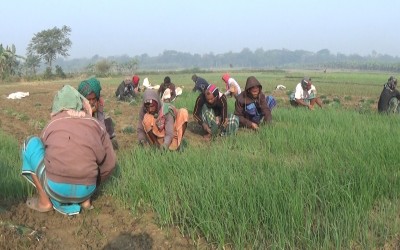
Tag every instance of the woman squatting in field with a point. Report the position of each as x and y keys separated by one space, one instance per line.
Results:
x=160 y=123
x=211 y=112
x=252 y=106
x=305 y=95
x=72 y=156
x=232 y=87
x=90 y=89
x=389 y=99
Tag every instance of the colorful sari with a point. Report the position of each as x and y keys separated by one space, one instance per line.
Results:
x=65 y=197
x=157 y=125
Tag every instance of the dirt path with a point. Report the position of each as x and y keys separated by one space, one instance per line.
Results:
x=107 y=226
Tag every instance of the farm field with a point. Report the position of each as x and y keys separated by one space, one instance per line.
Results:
x=326 y=178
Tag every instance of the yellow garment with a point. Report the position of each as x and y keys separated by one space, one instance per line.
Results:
x=180 y=119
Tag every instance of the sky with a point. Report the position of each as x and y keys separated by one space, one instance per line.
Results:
x=136 y=27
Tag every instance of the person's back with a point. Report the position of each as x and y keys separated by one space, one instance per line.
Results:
x=71 y=158
x=231 y=85
x=75 y=147
x=389 y=98
x=200 y=84
x=125 y=90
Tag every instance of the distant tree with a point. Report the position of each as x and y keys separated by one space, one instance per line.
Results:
x=48 y=74
x=103 y=67
x=133 y=64
x=60 y=72
x=47 y=44
x=324 y=52
x=32 y=62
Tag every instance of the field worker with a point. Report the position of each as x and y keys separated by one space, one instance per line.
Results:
x=390 y=97
x=211 y=112
x=126 y=90
x=167 y=84
x=231 y=86
x=70 y=159
x=251 y=105
x=161 y=124
x=200 y=84
x=305 y=95
x=135 y=83
x=91 y=89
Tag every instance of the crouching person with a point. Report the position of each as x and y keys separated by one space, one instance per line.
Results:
x=126 y=90
x=72 y=156
x=211 y=112
x=252 y=107
x=91 y=89
x=305 y=95
x=161 y=124
x=389 y=99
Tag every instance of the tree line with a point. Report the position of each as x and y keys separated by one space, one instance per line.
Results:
x=50 y=47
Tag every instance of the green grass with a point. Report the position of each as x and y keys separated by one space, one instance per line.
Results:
x=13 y=186
x=319 y=179
x=312 y=180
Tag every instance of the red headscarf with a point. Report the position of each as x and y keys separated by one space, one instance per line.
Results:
x=135 y=80
x=225 y=78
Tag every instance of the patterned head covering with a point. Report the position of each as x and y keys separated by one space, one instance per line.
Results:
x=213 y=90
x=88 y=86
x=67 y=98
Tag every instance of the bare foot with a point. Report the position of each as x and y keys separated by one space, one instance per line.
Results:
x=207 y=137
x=35 y=204
x=87 y=204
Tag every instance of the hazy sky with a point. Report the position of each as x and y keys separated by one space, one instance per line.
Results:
x=135 y=27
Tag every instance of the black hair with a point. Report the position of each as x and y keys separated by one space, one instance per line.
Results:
x=167 y=79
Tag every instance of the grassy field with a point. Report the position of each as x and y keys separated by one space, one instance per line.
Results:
x=322 y=179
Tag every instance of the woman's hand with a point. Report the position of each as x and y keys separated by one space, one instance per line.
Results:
x=206 y=128
x=86 y=107
x=254 y=126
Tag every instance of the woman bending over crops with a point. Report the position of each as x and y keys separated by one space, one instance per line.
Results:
x=70 y=159
x=167 y=84
x=305 y=95
x=161 y=124
x=211 y=112
x=389 y=99
x=90 y=89
x=252 y=106
x=200 y=84
x=128 y=89
x=232 y=87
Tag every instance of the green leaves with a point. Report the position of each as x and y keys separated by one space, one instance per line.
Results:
x=8 y=61
x=47 y=44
